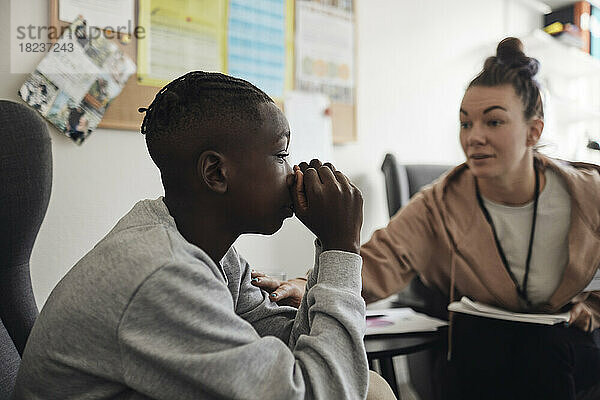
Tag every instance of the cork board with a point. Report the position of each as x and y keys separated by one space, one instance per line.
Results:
x=342 y=123
x=122 y=112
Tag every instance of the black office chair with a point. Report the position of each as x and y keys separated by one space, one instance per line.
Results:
x=402 y=181
x=25 y=183
x=426 y=368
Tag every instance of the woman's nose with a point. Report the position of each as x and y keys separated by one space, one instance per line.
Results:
x=476 y=136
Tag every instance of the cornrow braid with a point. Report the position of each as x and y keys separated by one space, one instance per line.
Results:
x=511 y=66
x=197 y=87
x=199 y=111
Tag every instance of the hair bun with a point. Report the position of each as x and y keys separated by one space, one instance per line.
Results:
x=509 y=49
x=510 y=53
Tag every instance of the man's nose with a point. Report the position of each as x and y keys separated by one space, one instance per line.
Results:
x=289 y=174
x=288 y=168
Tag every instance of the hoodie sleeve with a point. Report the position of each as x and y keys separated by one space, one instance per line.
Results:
x=269 y=318
x=181 y=338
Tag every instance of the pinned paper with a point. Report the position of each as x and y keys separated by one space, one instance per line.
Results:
x=310 y=126
x=76 y=81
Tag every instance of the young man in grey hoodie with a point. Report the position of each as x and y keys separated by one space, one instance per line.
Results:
x=163 y=306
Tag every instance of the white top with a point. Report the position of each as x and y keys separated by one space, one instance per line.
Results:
x=550 y=252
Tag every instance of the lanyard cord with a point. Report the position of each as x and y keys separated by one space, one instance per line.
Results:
x=522 y=291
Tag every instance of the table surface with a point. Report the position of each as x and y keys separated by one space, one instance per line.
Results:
x=379 y=346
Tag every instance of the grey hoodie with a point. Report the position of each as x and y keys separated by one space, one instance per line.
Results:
x=147 y=315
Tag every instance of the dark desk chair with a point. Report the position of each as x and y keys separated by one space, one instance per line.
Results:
x=402 y=181
x=25 y=182
x=426 y=368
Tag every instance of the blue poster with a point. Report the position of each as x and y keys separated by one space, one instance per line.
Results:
x=595 y=32
x=256 y=43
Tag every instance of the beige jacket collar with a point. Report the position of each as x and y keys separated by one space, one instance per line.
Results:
x=470 y=234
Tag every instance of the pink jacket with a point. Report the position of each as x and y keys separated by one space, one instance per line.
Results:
x=443 y=236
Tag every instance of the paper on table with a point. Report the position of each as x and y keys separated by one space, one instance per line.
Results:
x=400 y=320
x=467 y=306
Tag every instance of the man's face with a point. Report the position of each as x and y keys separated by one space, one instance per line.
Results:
x=259 y=185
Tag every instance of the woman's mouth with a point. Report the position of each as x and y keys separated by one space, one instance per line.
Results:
x=480 y=156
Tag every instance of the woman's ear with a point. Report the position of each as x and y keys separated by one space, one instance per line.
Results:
x=536 y=126
x=212 y=170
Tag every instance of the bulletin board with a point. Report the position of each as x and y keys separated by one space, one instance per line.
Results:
x=122 y=112
x=325 y=49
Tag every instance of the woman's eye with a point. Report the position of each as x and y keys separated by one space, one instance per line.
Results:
x=494 y=122
x=464 y=125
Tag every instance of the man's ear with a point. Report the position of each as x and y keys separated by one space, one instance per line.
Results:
x=536 y=126
x=212 y=170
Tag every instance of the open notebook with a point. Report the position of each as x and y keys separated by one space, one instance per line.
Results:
x=467 y=306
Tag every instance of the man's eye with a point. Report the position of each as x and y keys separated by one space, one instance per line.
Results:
x=465 y=125
x=283 y=156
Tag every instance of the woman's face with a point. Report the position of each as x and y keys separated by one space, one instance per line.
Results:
x=494 y=134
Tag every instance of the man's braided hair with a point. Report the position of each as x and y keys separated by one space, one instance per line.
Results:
x=213 y=94
x=197 y=111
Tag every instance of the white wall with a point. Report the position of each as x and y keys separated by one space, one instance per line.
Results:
x=414 y=60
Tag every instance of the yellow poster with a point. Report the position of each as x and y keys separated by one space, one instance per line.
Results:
x=181 y=36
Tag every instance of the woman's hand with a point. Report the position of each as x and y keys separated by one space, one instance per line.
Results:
x=286 y=293
x=581 y=317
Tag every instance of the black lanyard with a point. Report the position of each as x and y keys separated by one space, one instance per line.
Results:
x=522 y=291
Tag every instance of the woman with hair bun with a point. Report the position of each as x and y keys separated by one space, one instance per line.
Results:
x=511 y=228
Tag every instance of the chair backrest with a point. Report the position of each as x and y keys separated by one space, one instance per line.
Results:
x=25 y=184
x=402 y=181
